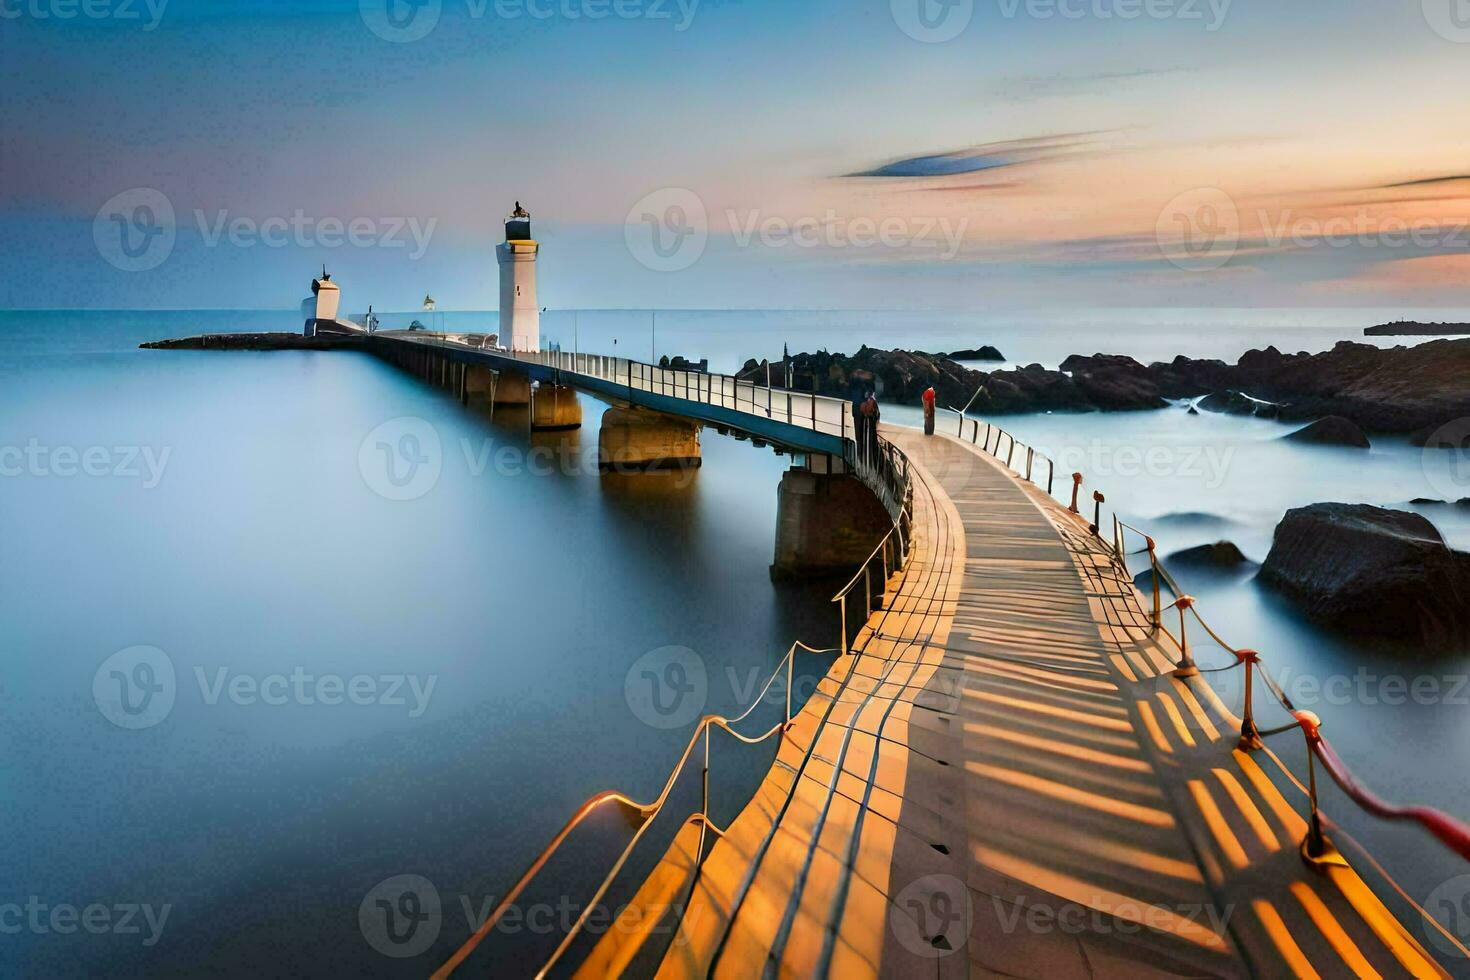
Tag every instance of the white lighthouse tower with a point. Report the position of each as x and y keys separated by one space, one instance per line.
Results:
x=520 y=317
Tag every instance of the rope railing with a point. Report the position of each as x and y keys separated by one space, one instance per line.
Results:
x=644 y=813
x=1316 y=848
x=893 y=552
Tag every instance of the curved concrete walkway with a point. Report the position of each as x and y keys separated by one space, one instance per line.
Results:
x=1003 y=779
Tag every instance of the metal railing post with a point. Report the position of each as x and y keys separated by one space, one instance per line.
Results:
x=704 y=810
x=1250 y=735
x=790 y=667
x=1316 y=848
x=1076 y=489
x=842 y=611
x=1186 y=666
x=1153 y=561
x=1097 y=500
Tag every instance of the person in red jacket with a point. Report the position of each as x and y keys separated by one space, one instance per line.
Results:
x=929 y=411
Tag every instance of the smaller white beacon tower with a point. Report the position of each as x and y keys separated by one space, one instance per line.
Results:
x=322 y=306
x=520 y=317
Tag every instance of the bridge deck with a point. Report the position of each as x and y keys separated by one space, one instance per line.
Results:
x=815 y=423
x=1003 y=779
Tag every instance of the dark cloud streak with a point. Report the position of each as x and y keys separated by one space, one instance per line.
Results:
x=983 y=157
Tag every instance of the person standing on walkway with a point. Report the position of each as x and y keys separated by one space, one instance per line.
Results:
x=870 y=427
x=929 y=411
x=857 y=393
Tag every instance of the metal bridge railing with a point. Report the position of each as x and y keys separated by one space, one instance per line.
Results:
x=818 y=413
x=880 y=466
x=1020 y=458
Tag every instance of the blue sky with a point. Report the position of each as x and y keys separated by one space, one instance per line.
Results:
x=821 y=154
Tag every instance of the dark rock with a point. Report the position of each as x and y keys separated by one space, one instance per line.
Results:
x=1395 y=390
x=1334 y=430
x=1202 y=564
x=1372 y=571
x=1399 y=389
x=1222 y=554
x=1191 y=520
x=1114 y=383
x=1229 y=402
x=986 y=353
x=1425 y=501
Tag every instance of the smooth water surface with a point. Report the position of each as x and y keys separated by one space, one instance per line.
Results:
x=361 y=686
x=241 y=521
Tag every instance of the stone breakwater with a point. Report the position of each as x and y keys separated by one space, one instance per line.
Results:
x=1397 y=390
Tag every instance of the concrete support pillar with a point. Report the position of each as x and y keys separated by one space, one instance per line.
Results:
x=637 y=439
x=478 y=382
x=512 y=389
x=554 y=407
x=826 y=524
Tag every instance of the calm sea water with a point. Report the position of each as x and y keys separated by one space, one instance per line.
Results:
x=238 y=519
x=231 y=513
